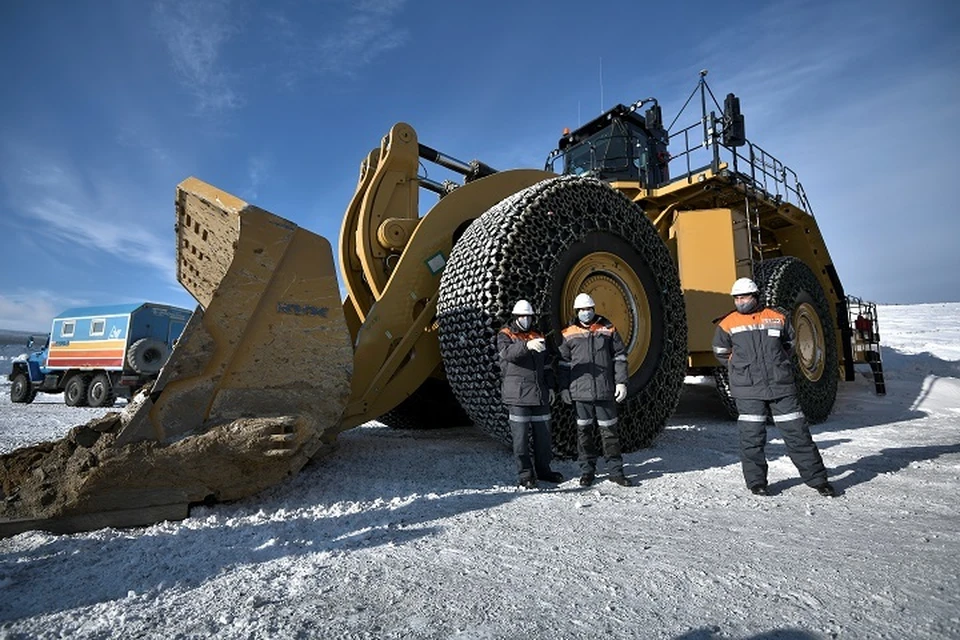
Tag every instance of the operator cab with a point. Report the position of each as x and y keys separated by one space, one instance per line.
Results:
x=619 y=145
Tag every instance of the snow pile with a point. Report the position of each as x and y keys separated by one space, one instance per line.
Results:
x=403 y=534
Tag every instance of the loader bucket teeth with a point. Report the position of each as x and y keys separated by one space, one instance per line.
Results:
x=256 y=385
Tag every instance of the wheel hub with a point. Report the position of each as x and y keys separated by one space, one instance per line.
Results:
x=809 y=343
x=620 y=297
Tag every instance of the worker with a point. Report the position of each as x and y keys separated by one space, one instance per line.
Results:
x=527 y=391
x=593 y=377
x=755 y=344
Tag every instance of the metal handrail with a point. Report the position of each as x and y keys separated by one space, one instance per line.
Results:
x=759 y=170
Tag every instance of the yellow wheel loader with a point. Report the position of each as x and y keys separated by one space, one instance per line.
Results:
x=273 y=364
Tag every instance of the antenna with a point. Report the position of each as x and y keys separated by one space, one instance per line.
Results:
x=601 y=84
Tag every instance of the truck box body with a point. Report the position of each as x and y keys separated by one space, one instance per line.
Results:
x=99 y=337
x=95 y=354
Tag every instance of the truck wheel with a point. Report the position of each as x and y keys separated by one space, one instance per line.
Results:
x=790 y=286
x=431 y=406
x=721 y=377
x=146 y=356
x=545 y=244
x=100 y=392
x=21 y=391
x=75 y=393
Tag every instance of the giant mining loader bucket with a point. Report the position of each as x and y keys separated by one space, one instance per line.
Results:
x=256 y=385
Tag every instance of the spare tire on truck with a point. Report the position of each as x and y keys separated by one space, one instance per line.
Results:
x=147 y=355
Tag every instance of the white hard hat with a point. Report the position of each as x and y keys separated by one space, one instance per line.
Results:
x=583 y=301
x=523 y=308
x=744 y=287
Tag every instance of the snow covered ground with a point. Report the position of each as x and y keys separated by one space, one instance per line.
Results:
x=403 y=534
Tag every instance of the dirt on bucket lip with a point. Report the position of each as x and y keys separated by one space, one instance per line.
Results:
x=87 y=472
x=34 y=480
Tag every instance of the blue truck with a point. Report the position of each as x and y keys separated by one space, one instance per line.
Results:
x=95 y=354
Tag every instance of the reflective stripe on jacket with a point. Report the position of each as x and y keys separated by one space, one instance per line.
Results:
x=593 y=360
x=756 y=349
x=527 y=375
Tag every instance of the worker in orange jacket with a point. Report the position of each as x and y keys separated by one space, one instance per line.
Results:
x=755 y=344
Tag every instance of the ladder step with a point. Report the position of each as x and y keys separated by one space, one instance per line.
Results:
x=878 y=381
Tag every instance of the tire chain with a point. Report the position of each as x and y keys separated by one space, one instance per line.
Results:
x=781 y=280
x=510 y=252
x=721 y=378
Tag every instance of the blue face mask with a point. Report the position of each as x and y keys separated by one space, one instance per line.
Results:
x=585 y=315
x=747 y=307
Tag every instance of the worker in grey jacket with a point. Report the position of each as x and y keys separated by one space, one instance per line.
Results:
x=593 y=376
x=527 y=390
x=755 y=342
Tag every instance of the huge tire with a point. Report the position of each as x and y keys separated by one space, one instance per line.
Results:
x=21 y=391
x=147 y=355
x=75 y=393
x=545 y=244
x=790 y=286
x=100 y=392
x=432 y=406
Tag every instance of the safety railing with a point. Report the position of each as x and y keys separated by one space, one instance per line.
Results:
x=865 y=338
x=701 y=145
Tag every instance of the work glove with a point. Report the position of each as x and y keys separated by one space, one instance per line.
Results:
x=565 y=396
x=553 y=396
x=537 y=344
x=620 y=394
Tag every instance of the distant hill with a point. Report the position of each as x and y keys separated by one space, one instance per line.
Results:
x=13 y=343
x=18 y=337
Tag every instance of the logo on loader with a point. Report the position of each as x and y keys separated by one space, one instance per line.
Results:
x=301 y=309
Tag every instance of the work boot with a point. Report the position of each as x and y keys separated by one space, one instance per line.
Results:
x=586 y=480
x=760 y=490
x=623 y=481
x=529 y=483
x=554 y=477
x=827 y=490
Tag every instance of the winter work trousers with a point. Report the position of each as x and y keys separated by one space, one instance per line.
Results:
x=591 y=415
x=524 y=422
x=787 y=417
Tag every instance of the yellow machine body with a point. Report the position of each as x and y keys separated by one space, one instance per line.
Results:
x=273 y=364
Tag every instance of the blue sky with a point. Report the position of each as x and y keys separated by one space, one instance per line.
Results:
x=109 y=104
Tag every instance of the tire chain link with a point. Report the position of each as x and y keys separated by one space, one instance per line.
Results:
x=511 y=252
x=721 y=378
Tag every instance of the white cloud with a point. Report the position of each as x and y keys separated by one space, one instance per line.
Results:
x=195 y=33
x=60 y=201
x=335 y=38
x=354 y=35
x=32 y=310
x=258 y=170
